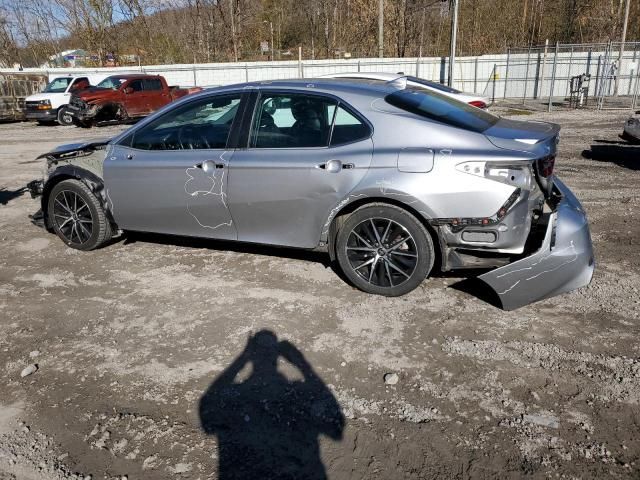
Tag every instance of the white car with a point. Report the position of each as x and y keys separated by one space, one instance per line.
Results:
x=470 y=98
x=51 y=104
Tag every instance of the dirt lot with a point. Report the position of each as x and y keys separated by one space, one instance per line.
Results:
x=137 y=346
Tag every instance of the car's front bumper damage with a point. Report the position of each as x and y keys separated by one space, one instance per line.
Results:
x=563 y=262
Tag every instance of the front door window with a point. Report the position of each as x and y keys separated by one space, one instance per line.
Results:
x=198 y=125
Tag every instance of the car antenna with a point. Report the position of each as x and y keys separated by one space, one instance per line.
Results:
x=400 y=83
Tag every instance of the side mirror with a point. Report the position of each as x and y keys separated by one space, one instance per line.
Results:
x=128 y=90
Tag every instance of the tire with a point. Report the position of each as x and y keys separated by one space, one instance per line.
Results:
x=398 y=266
x=89 y=228
x=64 y=117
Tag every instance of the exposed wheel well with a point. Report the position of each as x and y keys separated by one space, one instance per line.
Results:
x=342 y=215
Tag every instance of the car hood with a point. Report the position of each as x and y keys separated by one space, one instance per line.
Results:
x=92 y=93
x=68 y=149
x=523 y=136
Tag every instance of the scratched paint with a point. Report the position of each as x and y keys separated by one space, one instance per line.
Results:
x=198 y=184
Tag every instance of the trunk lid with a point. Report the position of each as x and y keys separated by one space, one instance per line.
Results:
x=523 y=136
x=539 y=139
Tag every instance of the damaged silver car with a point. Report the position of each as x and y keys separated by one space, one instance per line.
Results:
x=389 y=180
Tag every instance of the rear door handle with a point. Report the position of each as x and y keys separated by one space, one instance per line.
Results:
x=334 y=166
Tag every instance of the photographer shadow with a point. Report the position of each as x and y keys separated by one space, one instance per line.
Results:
x=267 y=425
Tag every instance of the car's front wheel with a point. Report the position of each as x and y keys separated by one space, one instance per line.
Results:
x=77 y=216
x=384 y=250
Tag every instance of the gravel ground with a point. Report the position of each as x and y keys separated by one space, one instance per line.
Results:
x=137 y=346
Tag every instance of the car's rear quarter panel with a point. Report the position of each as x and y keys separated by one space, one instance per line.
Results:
x=442 y=191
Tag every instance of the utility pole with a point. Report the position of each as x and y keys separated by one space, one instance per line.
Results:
x=271 y=27
x=233 y=32
x=454 y=32
x=381 y=28
x=621 y=53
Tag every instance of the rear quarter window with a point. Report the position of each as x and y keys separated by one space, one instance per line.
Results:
x=347 y=128
x=443 y=109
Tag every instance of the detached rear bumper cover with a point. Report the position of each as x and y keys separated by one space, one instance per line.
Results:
x=631 y=131
x=563 y=263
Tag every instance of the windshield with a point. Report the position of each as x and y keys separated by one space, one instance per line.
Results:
x=58 y=85
x=438 y=107
x=436 y=85
x=111 y=82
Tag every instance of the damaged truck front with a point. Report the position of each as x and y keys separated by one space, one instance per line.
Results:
x=123 y=97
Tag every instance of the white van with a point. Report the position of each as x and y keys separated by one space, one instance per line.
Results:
x=50 y=106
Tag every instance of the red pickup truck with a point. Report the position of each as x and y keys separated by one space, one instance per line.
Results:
x=123 y=97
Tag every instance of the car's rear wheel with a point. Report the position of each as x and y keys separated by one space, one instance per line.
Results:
x=77 y=216
x=384 y=250
x=64 y=117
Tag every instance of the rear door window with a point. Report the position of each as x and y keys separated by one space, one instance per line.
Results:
x=441 y=108
x=292 y=120
x=135 y=85
x=152 y=84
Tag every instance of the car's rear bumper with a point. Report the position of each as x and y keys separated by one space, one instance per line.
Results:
x=563 y=263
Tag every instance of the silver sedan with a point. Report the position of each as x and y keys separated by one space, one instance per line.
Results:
x=389 y=179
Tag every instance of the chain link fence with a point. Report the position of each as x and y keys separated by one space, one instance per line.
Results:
x=543 y=75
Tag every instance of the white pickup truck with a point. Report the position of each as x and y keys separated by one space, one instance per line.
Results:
x=50 y=106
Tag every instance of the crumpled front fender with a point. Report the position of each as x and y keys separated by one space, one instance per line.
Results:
x=563 y=263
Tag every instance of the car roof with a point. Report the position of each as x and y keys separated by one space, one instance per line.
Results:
x=366 y=75
x=321 y=85
x=132 y=75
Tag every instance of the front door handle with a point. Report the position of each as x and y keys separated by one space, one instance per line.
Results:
x=208 y=166
x=334 y=166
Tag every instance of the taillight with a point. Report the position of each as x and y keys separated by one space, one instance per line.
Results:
x=478 y=103
x=546 y=165
x=518 y=175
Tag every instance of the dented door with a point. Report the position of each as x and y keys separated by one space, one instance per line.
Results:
x=284 y=186
x=171 y=174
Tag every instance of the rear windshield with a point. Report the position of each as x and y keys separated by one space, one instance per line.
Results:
x=441 y=108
